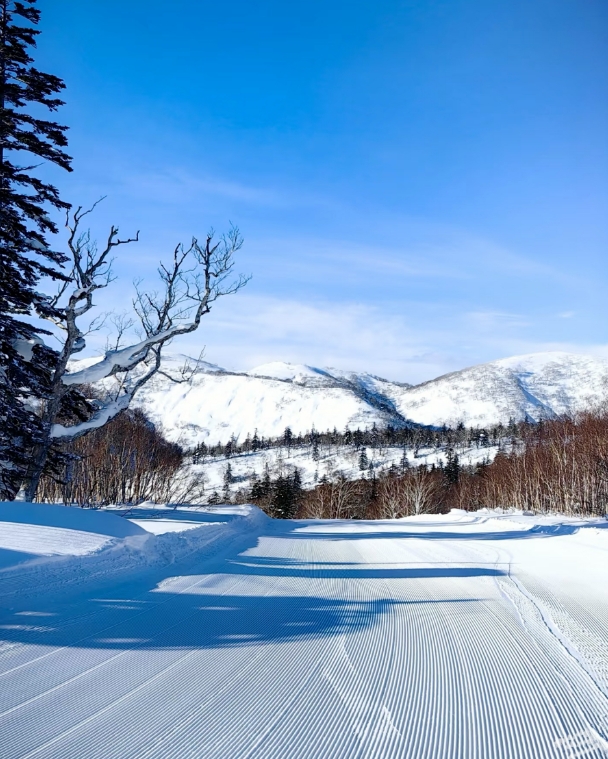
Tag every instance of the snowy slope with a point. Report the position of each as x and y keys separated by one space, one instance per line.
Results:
x=220 y=404
x=217 y=405
x=59 y=545
x=30 y=531
x=535 y=386
x=459 y=636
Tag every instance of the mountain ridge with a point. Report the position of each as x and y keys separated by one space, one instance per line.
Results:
x=219 y=404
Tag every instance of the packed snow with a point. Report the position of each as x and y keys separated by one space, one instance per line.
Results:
x=218 y=405
x=467 y=635
x=35 y=530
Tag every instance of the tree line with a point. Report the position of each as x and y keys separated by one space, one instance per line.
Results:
x=127 y=462
x=553 y=466
x=558 y=465
x=412 y=437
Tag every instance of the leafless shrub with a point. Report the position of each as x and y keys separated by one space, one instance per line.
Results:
x=126 y=462
x=418 y=491
x=559 y=466
x=336 y=499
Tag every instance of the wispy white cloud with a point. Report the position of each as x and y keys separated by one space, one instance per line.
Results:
x=402 y=297
x=251 y=330
x=491 y=321
x=247 y=330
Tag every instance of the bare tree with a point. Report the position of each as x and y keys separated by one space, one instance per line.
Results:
x=337 y=499
x=190 y=283
x=415 y=492
x=393 y=497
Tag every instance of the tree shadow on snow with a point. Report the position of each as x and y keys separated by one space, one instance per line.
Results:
x=190 y=611
x=344 y=531
x=269 y=567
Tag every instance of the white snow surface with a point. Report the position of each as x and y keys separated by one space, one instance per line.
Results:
x=462 y=636
x=33 y=530
x=218 y=405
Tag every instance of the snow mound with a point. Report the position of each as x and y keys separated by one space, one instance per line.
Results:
x=59 y=545
x=30 y=531
x=83 y=520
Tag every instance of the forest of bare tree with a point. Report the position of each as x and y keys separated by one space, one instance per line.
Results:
x=558 y=465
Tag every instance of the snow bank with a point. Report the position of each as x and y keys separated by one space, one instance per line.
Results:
x=52 y=515
x=45 y=545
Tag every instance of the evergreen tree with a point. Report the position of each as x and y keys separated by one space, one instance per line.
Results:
x=228 y=480
x=297 y=489
x=261 y=489
x=25 y=141
x=451 y=470
x=199 y=453
x=392 y=470
x=374 y=435
x=363 y=461
x=281 y=497
x=286 y=495
x=404 y=464
x=287 y=437
x=266 y=481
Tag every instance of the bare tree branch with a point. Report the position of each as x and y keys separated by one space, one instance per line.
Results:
x=194 y=278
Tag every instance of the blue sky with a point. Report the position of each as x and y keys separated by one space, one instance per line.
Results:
x=422 y=185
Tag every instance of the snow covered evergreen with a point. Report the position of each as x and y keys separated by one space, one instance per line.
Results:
x=26 y=140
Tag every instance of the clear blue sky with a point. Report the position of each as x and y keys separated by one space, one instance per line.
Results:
x=422 y=185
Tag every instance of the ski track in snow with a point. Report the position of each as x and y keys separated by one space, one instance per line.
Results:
x=450 y=636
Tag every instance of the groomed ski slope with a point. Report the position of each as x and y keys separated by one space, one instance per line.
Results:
x=461 y=636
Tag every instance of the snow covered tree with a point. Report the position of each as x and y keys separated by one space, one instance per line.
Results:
x=26 y=141
x=194 y=279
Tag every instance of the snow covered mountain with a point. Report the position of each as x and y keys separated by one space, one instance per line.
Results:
x=218 y=404
x=534 y=386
